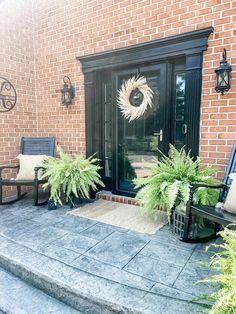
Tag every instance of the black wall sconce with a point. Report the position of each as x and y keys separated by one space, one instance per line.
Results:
x=67 y=92
x=223 y=75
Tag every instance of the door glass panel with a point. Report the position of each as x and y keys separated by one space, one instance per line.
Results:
x=107 y=129
x=138 y=140
x=180 y=127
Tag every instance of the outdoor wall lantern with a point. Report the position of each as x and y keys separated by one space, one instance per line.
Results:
x=67 y=92
x=223 y=75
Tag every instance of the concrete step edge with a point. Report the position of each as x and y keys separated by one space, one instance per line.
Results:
x=105 y=298
x=77 y=299
x=18 y=296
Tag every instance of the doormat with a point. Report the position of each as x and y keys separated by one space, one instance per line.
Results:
x=121 y=215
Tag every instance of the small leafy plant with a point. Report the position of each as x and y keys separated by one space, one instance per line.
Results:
x=224 y=262
x=167 y=186
x=71 y=175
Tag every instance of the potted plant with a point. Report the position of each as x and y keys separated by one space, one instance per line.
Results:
x=74 y=176
x=167 y=186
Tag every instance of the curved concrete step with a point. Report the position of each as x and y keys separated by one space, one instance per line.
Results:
x=81 y=290
x=18 y=297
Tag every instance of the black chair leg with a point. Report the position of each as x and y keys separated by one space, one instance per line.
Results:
x=18 y=191
x=217 y=228
x=0 y=194
x=36 y=193
x=187 y=224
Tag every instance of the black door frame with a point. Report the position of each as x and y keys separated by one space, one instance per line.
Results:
x=189 y=45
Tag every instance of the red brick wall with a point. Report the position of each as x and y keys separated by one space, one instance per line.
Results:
x=63 y=30
x=17 y=65
x=68 y=29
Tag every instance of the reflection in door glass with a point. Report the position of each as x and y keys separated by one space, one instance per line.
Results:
x=137 y=140
x=179 y=109
x=107 y=129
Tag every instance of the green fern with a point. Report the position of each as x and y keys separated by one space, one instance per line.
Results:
x=224 y=262
x=69 y=174
x=206 y=196
x=167 y=186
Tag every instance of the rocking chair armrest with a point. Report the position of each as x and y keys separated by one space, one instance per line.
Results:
x=10 y=167
x=194 y=187
x=7 y=167
x=36 y=170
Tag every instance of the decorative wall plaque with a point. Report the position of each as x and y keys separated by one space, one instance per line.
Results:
x=8 y=96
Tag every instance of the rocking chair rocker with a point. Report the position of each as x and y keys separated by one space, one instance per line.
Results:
x=29 y=146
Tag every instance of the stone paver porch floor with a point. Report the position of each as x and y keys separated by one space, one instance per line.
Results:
x=157 y=270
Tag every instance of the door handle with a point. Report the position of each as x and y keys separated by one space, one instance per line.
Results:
x=184 y=128
x=160 y=134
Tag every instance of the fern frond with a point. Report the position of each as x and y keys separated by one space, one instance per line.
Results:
x=72 y=174
x=167 y=186
x=224 y=262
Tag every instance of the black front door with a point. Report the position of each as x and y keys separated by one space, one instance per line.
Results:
x=139 y=141
x=174 y=71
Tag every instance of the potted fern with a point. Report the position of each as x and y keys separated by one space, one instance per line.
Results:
x=167 y=186
x=73 y=176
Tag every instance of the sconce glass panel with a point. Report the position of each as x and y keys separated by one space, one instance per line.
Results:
x=67 y=91
x=223 y=75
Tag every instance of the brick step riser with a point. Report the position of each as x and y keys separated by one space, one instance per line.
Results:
x=115 y=198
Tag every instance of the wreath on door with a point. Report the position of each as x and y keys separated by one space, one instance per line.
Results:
x=134 y=98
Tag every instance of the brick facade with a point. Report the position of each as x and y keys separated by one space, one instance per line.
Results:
x=40 y=41
x=17 y=65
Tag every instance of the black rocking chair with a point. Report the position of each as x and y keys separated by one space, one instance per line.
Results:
x=29 y=146
x=216 y=215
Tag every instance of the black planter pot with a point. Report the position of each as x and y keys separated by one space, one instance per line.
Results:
x=73 y=200
x=178 y=223
x=51 y=205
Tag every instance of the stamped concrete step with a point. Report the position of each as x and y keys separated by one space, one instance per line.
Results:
x=18 y=297
x=83 y=291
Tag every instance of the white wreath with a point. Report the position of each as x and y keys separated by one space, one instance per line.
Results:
x=129 y=111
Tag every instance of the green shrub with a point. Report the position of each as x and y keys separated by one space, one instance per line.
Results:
x=167 y=186
x=224 y=261
x=68 y=174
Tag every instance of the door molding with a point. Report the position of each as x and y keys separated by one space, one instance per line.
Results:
x=194 y=42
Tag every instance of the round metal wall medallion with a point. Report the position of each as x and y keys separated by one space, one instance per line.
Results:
x=8 y=96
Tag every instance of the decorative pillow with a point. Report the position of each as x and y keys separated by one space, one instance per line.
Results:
x=27 y=165
x=230 y=202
